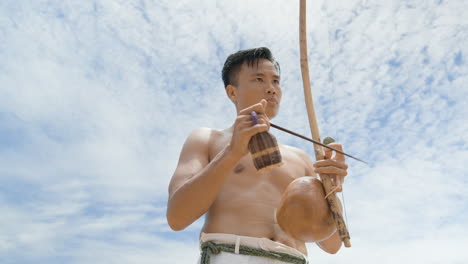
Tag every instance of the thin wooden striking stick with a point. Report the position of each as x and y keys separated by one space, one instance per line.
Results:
x=313 y=141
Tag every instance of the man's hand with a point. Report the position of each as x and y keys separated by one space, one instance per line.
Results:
x=244 y=129
x=333 y=165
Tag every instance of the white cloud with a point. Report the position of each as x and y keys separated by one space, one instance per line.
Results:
x=97 y=98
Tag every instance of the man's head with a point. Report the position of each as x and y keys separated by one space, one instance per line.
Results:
x=251 y=75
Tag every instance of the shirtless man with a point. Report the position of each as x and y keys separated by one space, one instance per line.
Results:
x=216 y=176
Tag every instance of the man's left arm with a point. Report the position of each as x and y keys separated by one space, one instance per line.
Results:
x=332 y=244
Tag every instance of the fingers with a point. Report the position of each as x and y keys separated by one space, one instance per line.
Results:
x=256 y=129
x=328 y=153
x=245 y=126
x=258 y=107
x=263 y=119
x=331 y=170
x=335 y=170
x=247 y=120
x=329 y=162
x=338 y=156
x=331 y=167
x=334 y=166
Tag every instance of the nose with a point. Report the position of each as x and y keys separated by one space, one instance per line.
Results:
x=271 y=90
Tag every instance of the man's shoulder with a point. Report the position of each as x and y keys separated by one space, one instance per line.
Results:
x=293 y=150
x=204 y=134
x=201 y=131
x=204 y=131
x=299 y=154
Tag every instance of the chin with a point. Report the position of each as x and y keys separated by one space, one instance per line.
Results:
x=271 y=113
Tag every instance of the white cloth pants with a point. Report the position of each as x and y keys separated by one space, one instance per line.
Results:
x=254 y=242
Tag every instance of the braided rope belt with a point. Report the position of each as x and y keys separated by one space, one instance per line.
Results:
x=210 y=248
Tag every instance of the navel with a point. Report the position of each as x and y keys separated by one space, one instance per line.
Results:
x=239 y=168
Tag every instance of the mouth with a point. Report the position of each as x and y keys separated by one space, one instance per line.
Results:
x=272 y=100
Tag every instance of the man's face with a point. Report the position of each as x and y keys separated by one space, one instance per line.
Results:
x=255 y=83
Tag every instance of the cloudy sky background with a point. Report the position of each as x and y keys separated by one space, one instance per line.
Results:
x=97 y=98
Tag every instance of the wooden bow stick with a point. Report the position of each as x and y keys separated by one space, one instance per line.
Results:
x=332 y=200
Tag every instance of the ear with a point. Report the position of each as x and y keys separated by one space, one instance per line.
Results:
x=231 y=92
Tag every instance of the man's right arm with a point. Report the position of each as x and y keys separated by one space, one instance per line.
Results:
x=197 y=181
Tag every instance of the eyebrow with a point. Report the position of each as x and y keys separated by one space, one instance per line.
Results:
x=262 y=74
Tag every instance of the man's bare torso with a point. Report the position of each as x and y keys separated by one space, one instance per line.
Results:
x=215 y=175
x=246 y=203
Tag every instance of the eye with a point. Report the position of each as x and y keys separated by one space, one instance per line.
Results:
x=258 y=79
x=276 y=81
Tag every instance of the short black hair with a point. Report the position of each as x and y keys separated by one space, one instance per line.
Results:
x=234 y=62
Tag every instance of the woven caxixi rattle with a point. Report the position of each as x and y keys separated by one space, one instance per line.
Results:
x=264 y=149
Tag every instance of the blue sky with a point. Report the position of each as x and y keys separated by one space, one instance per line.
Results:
x=97 y=98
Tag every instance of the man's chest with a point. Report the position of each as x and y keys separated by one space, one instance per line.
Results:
x=246 y=177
